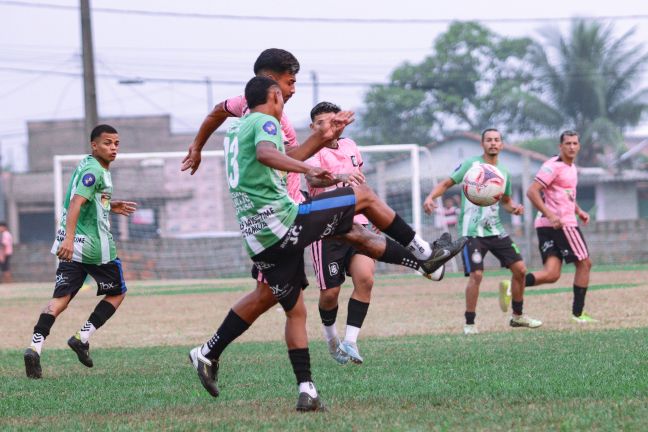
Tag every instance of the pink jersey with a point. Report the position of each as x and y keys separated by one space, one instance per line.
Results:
x=344 y=159
x=7 y=242
x=559 y=181
x=237 y=106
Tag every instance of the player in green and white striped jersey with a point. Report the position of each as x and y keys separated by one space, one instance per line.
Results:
x=483 y=227
x=85 y=246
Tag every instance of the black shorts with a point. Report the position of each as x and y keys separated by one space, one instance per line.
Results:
x=5 y=266
x=566 y=243
x=476 y=249
x=71 y=274
x=282 y=264
x=259 y=277
x=331 y=260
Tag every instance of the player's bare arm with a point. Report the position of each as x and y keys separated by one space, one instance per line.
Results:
x=350 y=179
x=66 y=247
x=510 y=206
x=429 y=205
x=533 y=193
x=267 y=154
x=210 y=124
x=125 y=208
x=322 y=135
x=582 y=215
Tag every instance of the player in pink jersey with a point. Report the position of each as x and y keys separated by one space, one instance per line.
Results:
x=553 y=193
x=332 y=258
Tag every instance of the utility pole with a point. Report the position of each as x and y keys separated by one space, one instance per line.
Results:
x=89 y=90
x=315 y=87
x=210 y=100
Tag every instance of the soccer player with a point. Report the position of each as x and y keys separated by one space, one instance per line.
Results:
x=276 y=230
x=486 y=233
x=553 y=193
x=85 y=246
x=333 y=258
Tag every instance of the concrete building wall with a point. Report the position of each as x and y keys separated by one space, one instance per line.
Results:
x=617 y=201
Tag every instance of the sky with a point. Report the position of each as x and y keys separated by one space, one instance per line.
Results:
x=177 y=46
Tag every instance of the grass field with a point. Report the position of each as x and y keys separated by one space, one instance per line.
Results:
x=420 y=373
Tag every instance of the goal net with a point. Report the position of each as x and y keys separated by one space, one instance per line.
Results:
x=185 y=227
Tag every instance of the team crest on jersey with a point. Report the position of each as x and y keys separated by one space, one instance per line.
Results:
x=88 y=180
x=354 y=161
x=270 y=128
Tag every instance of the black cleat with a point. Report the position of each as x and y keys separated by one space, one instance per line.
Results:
x=81 y=349
x=32 y=364
x=307 y=403
x=443 y=249
x=207 y=371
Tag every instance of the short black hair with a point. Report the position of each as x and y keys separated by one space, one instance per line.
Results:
x=256 y=90
x=276 y=60
x=568 y=132
x=102 y=128
x=3 y=223
x=324 y=107
x=483 y=134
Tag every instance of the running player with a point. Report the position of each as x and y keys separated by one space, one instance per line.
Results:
x=553 y=193
x=486 y=233
x=333 y=258
x=85 y=246
x=276 y=229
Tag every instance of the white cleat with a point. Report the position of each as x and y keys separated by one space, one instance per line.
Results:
x=470 y=329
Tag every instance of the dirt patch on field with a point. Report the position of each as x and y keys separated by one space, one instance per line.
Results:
x=399 y=306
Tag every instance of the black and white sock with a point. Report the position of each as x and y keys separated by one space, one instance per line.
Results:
x=232 y=327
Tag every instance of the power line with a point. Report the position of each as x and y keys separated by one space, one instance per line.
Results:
x=228 y=17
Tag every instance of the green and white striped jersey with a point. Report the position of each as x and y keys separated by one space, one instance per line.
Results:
x=476 y=221
x=263 y=208
x=93 y=243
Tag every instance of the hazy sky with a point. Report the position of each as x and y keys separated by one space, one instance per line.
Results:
x=40 y=51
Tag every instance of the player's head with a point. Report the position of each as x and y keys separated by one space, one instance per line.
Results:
x=569 y=145
x=104 y=141
x=3 y=226
x=281 y=66
x=491 y=141
x=322 y=113
x=262 y=91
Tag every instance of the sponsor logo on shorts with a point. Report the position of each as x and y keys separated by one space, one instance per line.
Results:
x=106 y=286
x=331 y=226
x=292 y=236
x=88 y=180
x=547 y=245
x=476 y=256
x=280 y=291
x=270 y=128
x=261 y=265
x=60 y=280
x=334 y=269
x=564 y=252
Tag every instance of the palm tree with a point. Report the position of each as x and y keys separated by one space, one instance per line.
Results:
x=589 y=81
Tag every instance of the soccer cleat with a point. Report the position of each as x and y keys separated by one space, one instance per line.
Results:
x=306 y=403
x=336 y=352
x=32 y=364
x=524 y=321
x=207 y=371
x=443 y=249
x=583 y=319
x=81 y=349
x=470 y=329
x=504 y=295
x=351 y=350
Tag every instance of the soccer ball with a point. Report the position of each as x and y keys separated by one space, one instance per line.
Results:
x=483 y=184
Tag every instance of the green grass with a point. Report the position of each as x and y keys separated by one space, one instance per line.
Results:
x=531 y=291
x=528 y=380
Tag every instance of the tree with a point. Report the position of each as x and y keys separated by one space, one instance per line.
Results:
x=588 y=81
x=473 y=79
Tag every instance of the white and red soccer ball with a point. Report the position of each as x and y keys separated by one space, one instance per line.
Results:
x=483 y=184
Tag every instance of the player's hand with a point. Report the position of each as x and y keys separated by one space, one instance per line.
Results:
x=319 y=173
x=66 y=249
x=429 y=205
x=125 y=208
x=192 y=160
x=518 y=209
x=584 y=216
x=354 y=179
x=555 y=222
